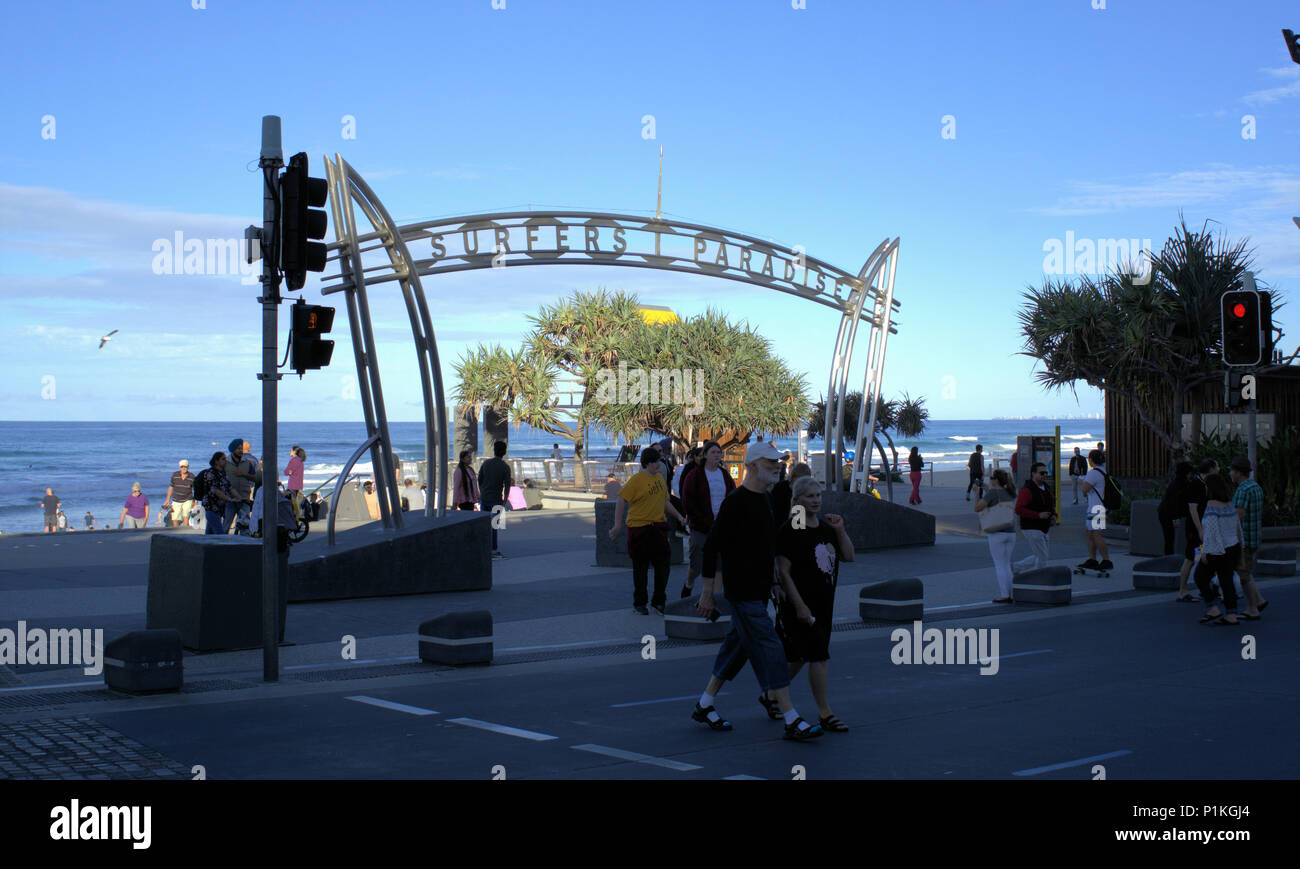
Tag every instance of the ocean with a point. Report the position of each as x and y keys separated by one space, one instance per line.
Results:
x=91 y=465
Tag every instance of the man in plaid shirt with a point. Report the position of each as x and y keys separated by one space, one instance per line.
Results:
x=1249 y=501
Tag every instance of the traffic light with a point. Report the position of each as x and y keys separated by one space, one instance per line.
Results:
x=1243 y=342
x=1232 y=389
x=1292 y=44
x=309 y=322
x=302 y=221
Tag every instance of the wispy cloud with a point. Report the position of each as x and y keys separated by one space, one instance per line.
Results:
x=1288 y=74
x=1253 y=202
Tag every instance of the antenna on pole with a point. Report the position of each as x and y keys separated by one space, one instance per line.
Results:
x=659 y=198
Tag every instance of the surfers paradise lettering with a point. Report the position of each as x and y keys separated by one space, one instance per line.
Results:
x=654 y=243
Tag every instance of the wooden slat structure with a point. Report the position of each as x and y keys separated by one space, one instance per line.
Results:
x=1134 y=452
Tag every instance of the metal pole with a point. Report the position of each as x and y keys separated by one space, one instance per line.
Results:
x=272 y=159
x=1056 y=472
x=1251 y=419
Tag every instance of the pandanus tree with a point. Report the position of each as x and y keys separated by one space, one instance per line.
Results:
x=691 y=379
x=906 y=415
x=731 y=384
x=514 y=386
x=1149 y=343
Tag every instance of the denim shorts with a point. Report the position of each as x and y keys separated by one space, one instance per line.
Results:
x=752 y=638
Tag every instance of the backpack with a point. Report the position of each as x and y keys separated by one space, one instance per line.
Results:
x=1112 y=497
x=202 y=484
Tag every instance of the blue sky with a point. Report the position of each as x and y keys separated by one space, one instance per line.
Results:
x=822 y=127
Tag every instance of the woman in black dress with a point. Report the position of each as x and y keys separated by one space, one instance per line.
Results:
x=809 y=549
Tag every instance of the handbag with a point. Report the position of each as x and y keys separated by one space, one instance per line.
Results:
x=1000 y=517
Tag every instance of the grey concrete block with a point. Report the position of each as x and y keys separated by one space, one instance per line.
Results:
x=613 y=553
x=894 y=600
x=1045 y=585
x=209 y=588
x=1275 y=561
x=457 y=638
x=427 y=554
x=1158 y=573
x=683 y=622
x=873 y=523
x=144 y=662
x=1145 y=537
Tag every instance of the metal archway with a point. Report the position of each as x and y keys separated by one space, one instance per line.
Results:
x=598 y=238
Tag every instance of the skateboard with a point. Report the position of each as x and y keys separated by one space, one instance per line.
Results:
x=1094 y=571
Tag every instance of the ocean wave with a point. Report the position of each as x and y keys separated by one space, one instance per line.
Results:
x=962 y=438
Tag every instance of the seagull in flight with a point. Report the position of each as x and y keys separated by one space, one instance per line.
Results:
x=107 y=338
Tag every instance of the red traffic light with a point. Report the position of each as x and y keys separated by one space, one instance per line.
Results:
x=1239 y=310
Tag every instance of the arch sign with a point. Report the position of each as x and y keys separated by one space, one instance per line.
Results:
x=518 y=238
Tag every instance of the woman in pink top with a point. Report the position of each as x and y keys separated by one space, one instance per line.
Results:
x=464 y=487
x=294 y=470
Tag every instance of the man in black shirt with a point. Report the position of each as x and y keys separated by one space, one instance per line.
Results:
x=494 y=482
x=976 y=466
x=50 y=504
x=1078 y=467
x=743 y=534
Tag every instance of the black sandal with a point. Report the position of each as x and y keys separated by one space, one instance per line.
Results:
x=799 y=734
x=773 y=708
x=834 y=725
x=701 y=714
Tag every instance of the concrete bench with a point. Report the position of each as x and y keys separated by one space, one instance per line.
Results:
x=457 y=638
x=683 y=622
x=144 y=662
x=894 y=600
x=1049 y=585
x=209 y=587
x=1145 y=536
x=1161 y=573
x=872 y=523
x=1275 y=561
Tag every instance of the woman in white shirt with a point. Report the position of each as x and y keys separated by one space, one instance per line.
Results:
x=1220 y=549
x=1000 y=542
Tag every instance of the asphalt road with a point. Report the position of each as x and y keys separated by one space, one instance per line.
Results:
x=1136 y=686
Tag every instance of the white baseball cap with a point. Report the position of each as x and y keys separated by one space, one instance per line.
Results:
x=763 y=450
x=185 y=463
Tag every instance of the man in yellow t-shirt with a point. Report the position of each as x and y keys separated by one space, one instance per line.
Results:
x=642 y=502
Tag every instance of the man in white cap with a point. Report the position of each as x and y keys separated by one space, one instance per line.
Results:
x=180 y=495
x=743 y=534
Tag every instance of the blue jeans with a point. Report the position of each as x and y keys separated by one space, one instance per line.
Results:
x=487 y=504
x=216 y=522
x=752 y=637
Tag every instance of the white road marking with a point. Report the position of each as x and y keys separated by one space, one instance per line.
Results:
x=501 y=728
x=636 y=757
x=388 y=704
x=1069 y=763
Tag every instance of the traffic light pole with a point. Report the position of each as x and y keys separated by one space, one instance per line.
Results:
x=272 y=159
